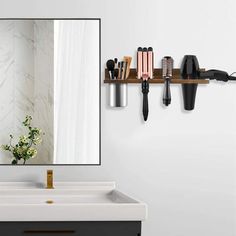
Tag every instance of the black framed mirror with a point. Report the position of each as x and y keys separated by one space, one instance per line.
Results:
x=50 y=75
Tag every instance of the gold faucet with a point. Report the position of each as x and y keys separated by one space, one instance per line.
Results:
x=50 y=179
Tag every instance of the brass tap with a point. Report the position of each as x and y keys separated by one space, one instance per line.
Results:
x=50 y=179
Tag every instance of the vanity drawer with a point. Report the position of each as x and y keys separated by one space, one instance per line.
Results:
x=82 y=228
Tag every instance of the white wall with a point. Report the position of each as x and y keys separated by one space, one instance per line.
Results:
x=181 y=164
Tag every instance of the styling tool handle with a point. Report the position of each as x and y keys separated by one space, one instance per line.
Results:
x=145 y=91
x=167 y=93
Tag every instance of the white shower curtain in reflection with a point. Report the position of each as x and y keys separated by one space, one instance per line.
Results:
x=76 y=107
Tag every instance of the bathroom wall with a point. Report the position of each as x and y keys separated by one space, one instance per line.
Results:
x=182 y=164
x=26 y=81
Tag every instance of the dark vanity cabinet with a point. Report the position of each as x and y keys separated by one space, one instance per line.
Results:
x=82 y=228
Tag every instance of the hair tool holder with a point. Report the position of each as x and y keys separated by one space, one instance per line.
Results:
x=118 y=71
x=189 y=76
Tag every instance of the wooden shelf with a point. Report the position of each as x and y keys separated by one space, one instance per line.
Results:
x=157 y=78
x=157 y=81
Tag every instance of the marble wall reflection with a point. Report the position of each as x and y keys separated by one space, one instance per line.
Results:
x=26 y=82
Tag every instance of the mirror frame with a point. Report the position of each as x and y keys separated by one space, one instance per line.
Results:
x=99 y=119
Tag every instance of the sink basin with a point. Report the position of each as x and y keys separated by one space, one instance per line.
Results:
x=68 y=201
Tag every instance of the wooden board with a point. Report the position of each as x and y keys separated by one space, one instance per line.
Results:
x=157 y=78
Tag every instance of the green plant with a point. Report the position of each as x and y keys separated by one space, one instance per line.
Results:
x=25 y=148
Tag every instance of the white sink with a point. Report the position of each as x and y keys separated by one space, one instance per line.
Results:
x=68 y=201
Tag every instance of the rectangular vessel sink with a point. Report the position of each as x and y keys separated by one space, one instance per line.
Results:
x=68 y=201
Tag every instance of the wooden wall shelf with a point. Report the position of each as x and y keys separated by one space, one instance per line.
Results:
x=157 y=78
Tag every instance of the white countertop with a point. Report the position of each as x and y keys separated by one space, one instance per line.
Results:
x=68 y=201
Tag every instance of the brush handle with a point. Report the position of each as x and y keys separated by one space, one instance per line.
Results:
x=111 y=74
x=145 y=91
x=166 y=94
x=128 y=61
x=124 y=68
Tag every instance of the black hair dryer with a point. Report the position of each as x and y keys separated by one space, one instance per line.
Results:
x=189 y=70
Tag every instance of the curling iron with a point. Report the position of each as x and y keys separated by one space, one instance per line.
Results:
x=145 y=72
